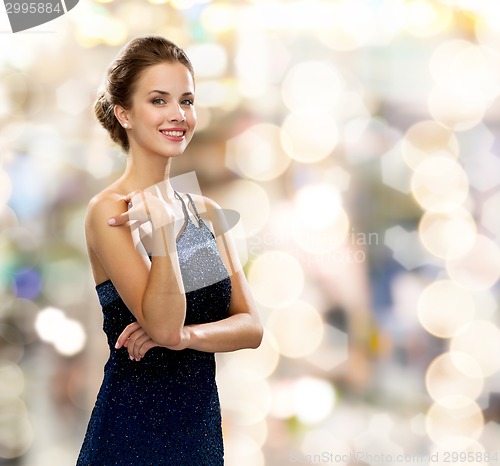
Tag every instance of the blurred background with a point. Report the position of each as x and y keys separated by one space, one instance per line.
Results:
x=357 y=139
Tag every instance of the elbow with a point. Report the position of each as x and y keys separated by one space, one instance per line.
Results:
x=257 y=337
x=167 y=338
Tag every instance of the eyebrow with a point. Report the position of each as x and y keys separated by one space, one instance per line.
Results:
x=168 y=93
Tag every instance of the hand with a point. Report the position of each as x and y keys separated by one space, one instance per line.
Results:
x=136 y=340
x=145 y=206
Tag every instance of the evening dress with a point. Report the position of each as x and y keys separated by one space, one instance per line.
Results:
x=163 y=409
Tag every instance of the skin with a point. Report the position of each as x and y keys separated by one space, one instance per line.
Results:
x=153 y=289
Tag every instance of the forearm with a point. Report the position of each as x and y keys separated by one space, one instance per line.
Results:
x=164 y=301
x=233 y=333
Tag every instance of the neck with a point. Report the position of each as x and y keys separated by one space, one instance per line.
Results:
x=143 y=172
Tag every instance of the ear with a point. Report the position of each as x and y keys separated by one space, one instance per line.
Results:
x=121 y=115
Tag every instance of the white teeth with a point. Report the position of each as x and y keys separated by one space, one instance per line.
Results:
x=175 y=134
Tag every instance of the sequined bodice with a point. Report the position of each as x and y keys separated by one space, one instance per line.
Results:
x=205 y=278
x=163 y=409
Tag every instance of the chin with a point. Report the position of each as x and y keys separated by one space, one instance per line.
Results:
x=174 y=155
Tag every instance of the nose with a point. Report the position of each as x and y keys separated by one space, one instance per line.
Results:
x=177 y=113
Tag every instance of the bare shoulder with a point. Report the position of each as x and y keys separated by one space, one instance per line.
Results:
x=204 y=203
x=209 y=210
x=102 y=206
x=108 y=201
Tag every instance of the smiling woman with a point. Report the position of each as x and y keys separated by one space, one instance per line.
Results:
x=170 y=298
x=156 y=114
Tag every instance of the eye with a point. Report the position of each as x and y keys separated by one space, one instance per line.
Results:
x=159 y=101
x=187 y=102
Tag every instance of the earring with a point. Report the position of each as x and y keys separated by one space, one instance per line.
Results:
x=125 y=125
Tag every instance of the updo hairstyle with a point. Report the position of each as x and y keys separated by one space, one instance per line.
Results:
x=123 y=74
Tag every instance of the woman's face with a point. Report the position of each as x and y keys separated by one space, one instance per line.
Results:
x=162 y=118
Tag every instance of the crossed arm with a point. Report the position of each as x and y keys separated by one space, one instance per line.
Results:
x=241 y=329
x=153 y=290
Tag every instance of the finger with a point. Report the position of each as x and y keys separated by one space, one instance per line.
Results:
x=132 y=199
x=142 y=347
x=126 y=333
x=135 y=351
x=129 y=198
x=133 y=341
x=146 y=347
x=119 y=219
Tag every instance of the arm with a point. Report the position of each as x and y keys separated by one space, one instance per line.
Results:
x=152 y=290
x=242 y=329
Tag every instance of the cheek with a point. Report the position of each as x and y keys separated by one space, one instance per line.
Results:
x=193 y=119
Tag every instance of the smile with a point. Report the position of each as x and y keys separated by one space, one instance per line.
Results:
x=173 y=134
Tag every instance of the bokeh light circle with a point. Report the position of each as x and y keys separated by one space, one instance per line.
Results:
x=426 y=18
x=479 y=268
x=208 y=59
x=219 y=17
x=318 y=75
x=16 y=432
x=460 y=63
x=298 y=329
x=72 y=339
x=442 y=59
x=12 y=381
x=12 y=343
x=448 y=235
x=244 y=196
x=444 y=308
x=443 y=378
x=473 y=68
x=427 y=139
x=321 y=223
x=243 y=451
x=313 y=135
x=246 y=395
x=276 y=279
x=481 y=340
x=487 y=26
x=282 y=406
x=314 y=399
x=351 y=25
x=67 y=335
x=465 y=84
x=318 y=205
x=454 y=416
x=440 y=184
x=258 y=153
x=458 y=110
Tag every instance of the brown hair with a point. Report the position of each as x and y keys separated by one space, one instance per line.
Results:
x=122 y=76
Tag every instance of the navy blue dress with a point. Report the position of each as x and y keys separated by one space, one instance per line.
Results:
x=163 y=409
